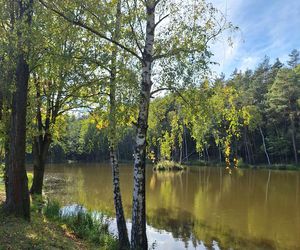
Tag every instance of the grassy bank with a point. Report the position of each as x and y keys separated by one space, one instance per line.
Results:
x=47 y=230
x=84 y=225
x=40 y=233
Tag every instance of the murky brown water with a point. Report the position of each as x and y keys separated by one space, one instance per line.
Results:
x=250 y=209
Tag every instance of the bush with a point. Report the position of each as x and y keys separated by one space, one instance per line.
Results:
x=168 y=166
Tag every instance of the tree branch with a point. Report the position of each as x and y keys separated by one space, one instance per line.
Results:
x=171 y=89
x=92 y=30
x=160 y=20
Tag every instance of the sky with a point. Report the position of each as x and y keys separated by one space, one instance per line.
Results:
x=266 y=27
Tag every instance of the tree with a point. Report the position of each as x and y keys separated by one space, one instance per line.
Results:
x=283 y=101
x=17 y=200
x=121 y=223
x=294 y=58
x=186 y=37
x=58 y=86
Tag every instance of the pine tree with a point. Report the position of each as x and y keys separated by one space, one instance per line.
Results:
x=294 y=58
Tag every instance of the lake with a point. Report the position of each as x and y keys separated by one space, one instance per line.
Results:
x=201 y=208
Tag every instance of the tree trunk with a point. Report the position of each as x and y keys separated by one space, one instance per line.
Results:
x=17 y=200
x=247 y=153
x=138 y=232
x=220 y=153
x=264 y=144
x=186 y=146
x=6 y=163
x=206 y=150
x=40 y=150
x=294 y=140
x=121 y=222
x=180 y=154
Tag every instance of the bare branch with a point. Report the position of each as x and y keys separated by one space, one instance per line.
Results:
x=160 y=20
x=133 y=32
x=177 y=91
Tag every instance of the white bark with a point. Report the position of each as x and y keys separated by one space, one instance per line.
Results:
x=138 y=232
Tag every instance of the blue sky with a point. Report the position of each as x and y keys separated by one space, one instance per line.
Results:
x=267 y=27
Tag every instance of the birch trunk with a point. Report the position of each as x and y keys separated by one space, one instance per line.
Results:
x=121 y=222
x=264 y=144
x=294 y=140
x=138 y=232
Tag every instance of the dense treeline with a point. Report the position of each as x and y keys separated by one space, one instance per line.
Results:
x=252 y=117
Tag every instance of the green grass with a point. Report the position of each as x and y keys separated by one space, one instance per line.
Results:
x=168 y=166
x=84 y=226
x=39 y=233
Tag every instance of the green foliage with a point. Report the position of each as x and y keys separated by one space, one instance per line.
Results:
x=40 y=234
x=168 y=166
x=51 y=210
x=84 y=225
x=220 y=115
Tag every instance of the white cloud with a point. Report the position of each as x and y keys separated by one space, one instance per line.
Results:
x=249 y=63
x=224 y=53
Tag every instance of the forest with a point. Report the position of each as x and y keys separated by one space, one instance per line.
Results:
x=129 y=81
x=253 y=116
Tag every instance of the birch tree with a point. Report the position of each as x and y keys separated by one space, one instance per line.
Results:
x=160 y=31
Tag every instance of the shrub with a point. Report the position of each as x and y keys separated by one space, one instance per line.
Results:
x=168 y=166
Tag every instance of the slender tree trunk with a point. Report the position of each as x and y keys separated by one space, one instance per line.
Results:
x=294 y=140
x=138 y=232
x=251 y=151
x=180 y=153
x=17 y=200
x=6 y=163
x=206 y=150
x=220 y=153
x=121 y=222
x=264 y=145
x=186 y=146
x=247 y=153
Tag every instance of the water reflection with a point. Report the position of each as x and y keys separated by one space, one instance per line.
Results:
x=245 y=210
